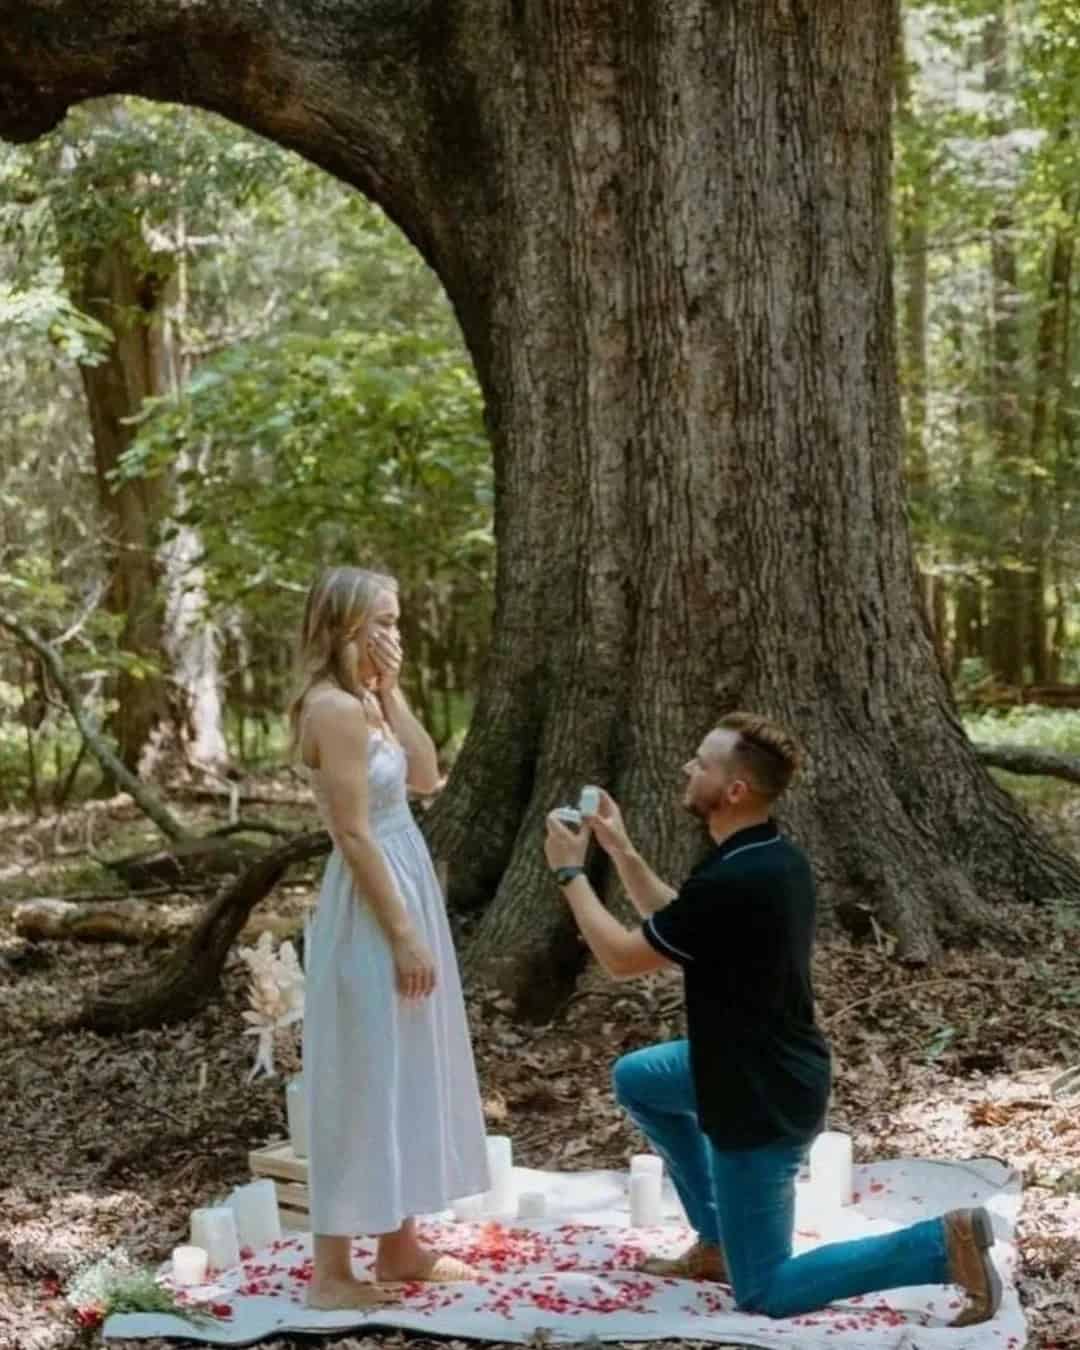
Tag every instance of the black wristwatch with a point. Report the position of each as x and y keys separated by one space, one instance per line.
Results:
x=564 y=875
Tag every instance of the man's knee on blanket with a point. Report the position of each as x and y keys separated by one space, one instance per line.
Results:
x=762 y=1299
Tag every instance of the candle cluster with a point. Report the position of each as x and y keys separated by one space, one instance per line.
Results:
x=501 y=1201
x=249 y=1219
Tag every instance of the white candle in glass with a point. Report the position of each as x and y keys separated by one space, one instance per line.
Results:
x=532 y=1205
x=296 y=1112
x=501 y=1199
x=589 y=802
x=189 y=1266
x=646 y=1209
x=468 y=1207
x=646 y=1164
x=214 y=1230
x=258 y=1222
x=831 y=1171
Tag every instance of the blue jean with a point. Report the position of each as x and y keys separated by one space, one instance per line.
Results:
x=744 y=1200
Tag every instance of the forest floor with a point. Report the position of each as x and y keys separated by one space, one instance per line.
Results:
x=111 y=1142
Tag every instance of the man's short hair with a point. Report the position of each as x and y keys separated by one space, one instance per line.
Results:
x=768 y=755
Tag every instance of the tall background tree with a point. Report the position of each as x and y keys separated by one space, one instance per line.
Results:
x=664 y=230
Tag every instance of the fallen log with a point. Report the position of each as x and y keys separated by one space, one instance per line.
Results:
x=185 y=861
x=192 y=973
x=211 y=794
x=132 y=921
x=1030 y=760
x=47 y=919
x=991 y=695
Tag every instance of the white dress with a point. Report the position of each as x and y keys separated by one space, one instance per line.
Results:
x=395 y=1122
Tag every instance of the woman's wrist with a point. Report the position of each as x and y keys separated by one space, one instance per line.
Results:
x=391 y=700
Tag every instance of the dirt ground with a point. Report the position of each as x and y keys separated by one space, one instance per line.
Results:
x=112 y=1142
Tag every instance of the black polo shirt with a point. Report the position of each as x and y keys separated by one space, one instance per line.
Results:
x=742 y=928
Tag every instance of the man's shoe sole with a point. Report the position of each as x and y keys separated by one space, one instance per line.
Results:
x=982 y=1230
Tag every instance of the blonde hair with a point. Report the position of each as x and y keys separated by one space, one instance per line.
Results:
x=339 y=602
x=768 y=754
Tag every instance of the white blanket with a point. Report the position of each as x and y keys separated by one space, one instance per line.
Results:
x=571 y=1274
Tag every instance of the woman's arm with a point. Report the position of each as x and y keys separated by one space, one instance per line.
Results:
x=338 y=735
x=423 y=772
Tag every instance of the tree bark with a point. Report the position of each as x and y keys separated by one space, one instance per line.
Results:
x=1029 y=759
x=1050 y=346
x=913 y=238
x=664 y=227
x=191 y=641
x=1007 y=602
x=968 y=626
x=107 y=283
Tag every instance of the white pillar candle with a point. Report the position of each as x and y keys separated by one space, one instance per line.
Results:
x=831 y=1173
x=258 y=1222
x=296 y=1112
x=501 y=1199
x=646 y=1209
x=468 y=1207
x=189 y=1266
x=646 y=1164
x=532 y=1205
x=215 y=1231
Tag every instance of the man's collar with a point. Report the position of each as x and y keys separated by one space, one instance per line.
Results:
x=750 y=834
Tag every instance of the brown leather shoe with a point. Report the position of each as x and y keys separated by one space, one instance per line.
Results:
x=702 y=1261
x=969 y=1234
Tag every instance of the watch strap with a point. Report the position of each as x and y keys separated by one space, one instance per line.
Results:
x=564 y=875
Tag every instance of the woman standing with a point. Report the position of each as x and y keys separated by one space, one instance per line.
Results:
x=396 y=1126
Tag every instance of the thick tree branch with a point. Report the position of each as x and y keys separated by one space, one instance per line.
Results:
x=337 y=82
x=1031 y=760
x=377 y=92
x=147 y=800
x=192 y=974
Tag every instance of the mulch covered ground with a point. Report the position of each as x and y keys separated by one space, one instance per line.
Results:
x=112 y=1142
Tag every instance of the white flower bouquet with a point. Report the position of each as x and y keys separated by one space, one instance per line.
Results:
x=277 y=996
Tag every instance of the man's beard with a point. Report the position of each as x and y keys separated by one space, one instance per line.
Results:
x=701 y=808
x=696 y=807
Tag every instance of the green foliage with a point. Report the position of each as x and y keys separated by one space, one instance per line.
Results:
x=315 y=334
x=114 y=1284
x=1046 y=728
x=987 y=162
x=344 y=448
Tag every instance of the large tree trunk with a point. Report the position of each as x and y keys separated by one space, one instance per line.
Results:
x=664 y=227
x=1008 y=619
x=1049 y=346
x=170 y=702
x=107 y=283
x=913 y=245
x=192 y=641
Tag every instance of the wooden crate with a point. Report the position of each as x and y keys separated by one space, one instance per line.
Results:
x=289 y=1175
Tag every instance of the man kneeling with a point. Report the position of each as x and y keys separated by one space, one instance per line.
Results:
x=733 y=1109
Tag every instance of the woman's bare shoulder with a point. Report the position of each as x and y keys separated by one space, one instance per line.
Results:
x=330 y=713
